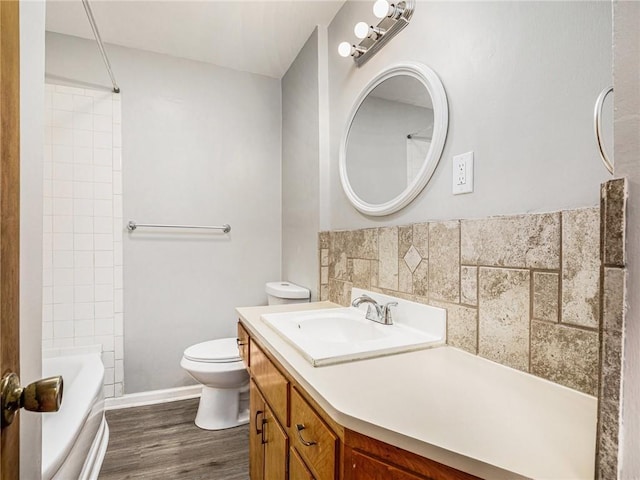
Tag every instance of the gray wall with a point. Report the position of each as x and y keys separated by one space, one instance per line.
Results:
x=627 y=163
x=32 y=20
x=201 y=145
x=300 y=168
x=521 y=80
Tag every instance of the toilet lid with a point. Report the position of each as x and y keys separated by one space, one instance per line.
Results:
x=214 y=351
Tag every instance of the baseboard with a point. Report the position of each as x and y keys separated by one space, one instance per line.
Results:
x=153 y=397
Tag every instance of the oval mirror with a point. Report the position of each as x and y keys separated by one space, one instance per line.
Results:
x=394 y=138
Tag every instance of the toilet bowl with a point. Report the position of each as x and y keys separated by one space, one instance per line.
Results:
x=217 y=365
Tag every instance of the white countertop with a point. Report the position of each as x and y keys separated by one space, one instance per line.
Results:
x=450 y=406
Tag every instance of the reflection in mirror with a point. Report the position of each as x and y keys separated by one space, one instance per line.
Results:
x=394 y=138
x=389 y=139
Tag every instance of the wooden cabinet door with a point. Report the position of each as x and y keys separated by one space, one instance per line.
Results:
x=276 y=449
x=256 y=434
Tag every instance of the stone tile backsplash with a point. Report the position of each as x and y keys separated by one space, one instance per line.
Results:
x=523 y=290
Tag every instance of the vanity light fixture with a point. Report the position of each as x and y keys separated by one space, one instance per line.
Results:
x=393 y=18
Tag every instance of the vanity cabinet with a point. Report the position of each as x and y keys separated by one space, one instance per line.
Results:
x=292 y=438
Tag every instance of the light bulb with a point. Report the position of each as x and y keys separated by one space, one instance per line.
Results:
x=361 y=30
x=344 y=49
x=381 y=8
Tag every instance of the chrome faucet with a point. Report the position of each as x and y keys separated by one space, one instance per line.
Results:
x=375 y=311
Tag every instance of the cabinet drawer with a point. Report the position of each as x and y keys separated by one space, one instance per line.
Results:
x=364 y=467
x=313 y=439
x=272 y=383
x=243 y=344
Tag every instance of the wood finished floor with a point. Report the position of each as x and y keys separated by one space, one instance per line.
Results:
x=162 y=442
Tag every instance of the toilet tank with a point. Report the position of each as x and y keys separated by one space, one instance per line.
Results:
x=279 y=293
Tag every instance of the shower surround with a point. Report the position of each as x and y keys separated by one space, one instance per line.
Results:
x=83 y=226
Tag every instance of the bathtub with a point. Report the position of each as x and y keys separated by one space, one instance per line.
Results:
x=74 y=439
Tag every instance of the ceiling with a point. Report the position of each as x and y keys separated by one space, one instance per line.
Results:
x=261 y=37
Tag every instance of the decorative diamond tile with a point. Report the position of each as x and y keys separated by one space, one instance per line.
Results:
x=412 y=258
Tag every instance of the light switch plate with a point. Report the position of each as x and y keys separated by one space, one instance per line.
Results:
x=462 y=173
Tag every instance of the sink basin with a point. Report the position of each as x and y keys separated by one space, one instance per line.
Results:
x=337 y=335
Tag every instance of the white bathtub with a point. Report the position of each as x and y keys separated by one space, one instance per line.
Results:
x=74 y=439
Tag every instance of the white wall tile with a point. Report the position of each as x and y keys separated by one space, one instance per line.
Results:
x=102 y=123
x=103 y=293
x=62 y=224
x=83 y=328
x=61 y=118
x=83 y=242
x=103 y=259
x=104 y=326
x=62 y=312
x=62 y=171
x=83 y=259
x=47 y=224
x=102 y=174
x=62 y=153
x=108 y=391
x=83 y=155
x=119 y=371
x=62 y=136
x=82 y=103
x=108 y=376
x=84 y=207
x=102 y=225
x=119 y=347
x=62 y=101
x=103 y=208
x=103 y=191
x=62 y=277
x=103 y=241
x=104 y=276
x=82 y=172
x=83 y=341
x=62 y=206
x=47 y=313
x=118 y=389
x=62 y=188
x=47 y=330
x=84 y=293
x=62 y=343
x=118 y=324
x=82 y=190
x=102 y=156
x=102 y=106
x=62 y=294
x=83 y=138
x=82 y=121
x=108 y=359
x=84 y=312
x=62 y=259
x=117 y=159
x=82 y=224
x=100 y=139
x=103 y=310
x=83 y=276
x=62 y=241
x=62 y=329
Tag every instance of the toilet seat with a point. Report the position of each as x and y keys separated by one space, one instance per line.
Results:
x=224 y=350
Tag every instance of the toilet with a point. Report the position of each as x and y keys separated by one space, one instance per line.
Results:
x=217 y=365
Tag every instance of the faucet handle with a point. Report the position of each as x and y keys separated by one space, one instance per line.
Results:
x=387 y=312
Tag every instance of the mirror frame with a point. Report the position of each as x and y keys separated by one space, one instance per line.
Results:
x=435 y=88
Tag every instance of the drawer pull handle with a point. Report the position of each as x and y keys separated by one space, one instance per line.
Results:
x=240 y=343
x=299 y=428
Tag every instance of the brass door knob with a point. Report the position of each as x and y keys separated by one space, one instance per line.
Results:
x=42 y=396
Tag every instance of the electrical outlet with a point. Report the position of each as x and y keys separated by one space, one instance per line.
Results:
x=463 y=173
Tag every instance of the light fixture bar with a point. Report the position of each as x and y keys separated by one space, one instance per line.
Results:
x=394 y=17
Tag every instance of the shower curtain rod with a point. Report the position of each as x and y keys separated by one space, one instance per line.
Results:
x=96 y=33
